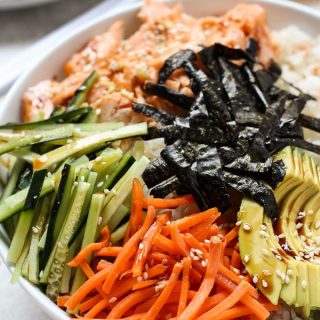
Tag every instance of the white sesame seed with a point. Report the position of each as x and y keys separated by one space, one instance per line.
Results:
x=255 y=279
x=263 y=227
x=75 y=183
x=164 y=261
x=278 y=273
x=235 y=270
x=299 y=225
x=266 y=272
x=100 y=184
x=106 y=191
x=246 y=258
x=310 y=212
x=290 y=272
x=204 y=263
x=265 y=252
x=283 y=276
x=238 y=223
x=146 y=266
x=264 y=234
x=41 y=274
x=298 y=258
x=82 y=178
x=99 y=221
x=141 y=245
x=139 y=279
x=206 y=241
x=145 y=275
x=113 y=299
x=287 y=279
x=196 y=258
x=198 y=252
x=281 y=236
x=246 y=227
x=98 y=158
x=264 y=283
x=278 y=257
x=304 y=284
x=35 y=230
x=98 y=111
x=43 y=158
x=301 y=214
x=317 y=225
x=38 y=136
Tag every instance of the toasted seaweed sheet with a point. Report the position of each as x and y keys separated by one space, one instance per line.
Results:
x=238 y=118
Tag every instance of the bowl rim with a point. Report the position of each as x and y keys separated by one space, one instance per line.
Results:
x=47 y=305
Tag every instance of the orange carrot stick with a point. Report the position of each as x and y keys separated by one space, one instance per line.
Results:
x=234 y=313
x=84 y=252
x=129 y=249
x=87 y=287
x=61 y=300
x=145 y=247
x=236 y=296
x=159 y=203
x=108 y=252
x=236 y=260
x=191 y=221
x=232 y=234
x=143 y=284
x=165 y=244
x=178 y=240
x=185 y=285
x=207 y=284
x=90 y=303
x=165 y=293
x=100 y=306
x=130 y=301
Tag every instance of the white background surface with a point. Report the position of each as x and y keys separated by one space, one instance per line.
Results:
x=19 y=29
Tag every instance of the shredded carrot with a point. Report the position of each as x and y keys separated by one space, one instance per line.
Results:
x=165 y=293
x=144 y=284
x=168 y=203
x=189 y=268
x=128 y=250
x=136 y=208
x=145 y=247
x=236 y=296
x=61 y=300
x=108 y=252
x=186 y=263
x=232 y=234
x=207 y=284
x=130 y=301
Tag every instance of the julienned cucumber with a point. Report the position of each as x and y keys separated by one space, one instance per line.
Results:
x=61 y=251
x=123 y=188
x=57 y=155
x=26 y=216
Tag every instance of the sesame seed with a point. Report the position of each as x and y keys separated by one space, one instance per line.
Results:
x=69 y=141
x=146 y=266
x=264 y=234
x=301 y=214
x=310 y=212
x=264 y=283
x=139 y=279
x=278 y=273
x=99 y=221
x=265 y=252
x=100 y=184
x=255 y=279
x=263 y=227
x=317 y=226
x=238 y=223
x=106 y=191
x=281 y=236
x=283 y=276
x=299 y=225
x=266 y=272
x=290 y=272
x=75 y=183
x=164 y=261
x=113 y=299
x=278 y=257
x=204 y=263
x=141 y=246
x=35 y=230
x=43 y=158
x=82 y=178
x=207 y=241
x=287 y=279
x=38 y=136
x=298 y=258
x=145 y=275
x=41 y=274
x=98 y=158
x=304 y=284
x=198 y=252
x=246 y=227
x=246 y=258
x=98 y=111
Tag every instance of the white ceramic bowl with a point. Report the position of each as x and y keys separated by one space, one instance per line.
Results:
x=280 y=14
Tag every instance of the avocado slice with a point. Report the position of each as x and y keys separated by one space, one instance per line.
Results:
x=295 y=272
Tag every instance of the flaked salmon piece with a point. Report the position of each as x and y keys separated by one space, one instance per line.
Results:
x=125 y=65
x=37 y=101
x=97 y=51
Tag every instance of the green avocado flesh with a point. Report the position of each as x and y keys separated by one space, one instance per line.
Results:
x=284 y=257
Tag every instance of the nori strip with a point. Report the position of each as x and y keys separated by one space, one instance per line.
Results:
x=157 y=171
x=175 y=62
x=278 y=143
x=252 y=48
x=149 y=111
x=169 y=94
x=310 y=122
x=165 y=187
x=256 y=190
